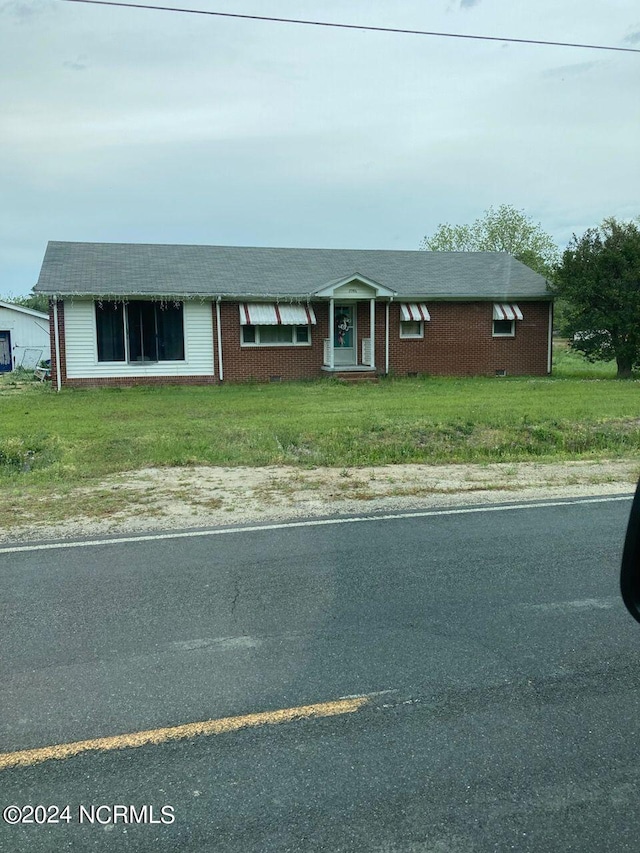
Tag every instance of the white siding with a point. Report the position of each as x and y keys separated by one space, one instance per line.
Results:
x=82 y=346
x=27 y=332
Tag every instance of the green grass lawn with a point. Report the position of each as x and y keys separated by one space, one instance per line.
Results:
x=569 y=364
x=80 y=435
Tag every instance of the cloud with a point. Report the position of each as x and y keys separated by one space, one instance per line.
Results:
x=569 y=70
x=454 y=5
x=633 y=38
x=78 y=64
x=23 y=10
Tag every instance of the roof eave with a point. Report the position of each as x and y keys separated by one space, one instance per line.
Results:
x=294 y=297
x=193 y=295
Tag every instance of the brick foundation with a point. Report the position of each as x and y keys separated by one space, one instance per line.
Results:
x=132 y=381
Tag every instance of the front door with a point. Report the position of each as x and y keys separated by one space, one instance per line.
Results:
x=5 y=352
x=344 y=334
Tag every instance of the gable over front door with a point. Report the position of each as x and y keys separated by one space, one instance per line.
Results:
x=341 y=348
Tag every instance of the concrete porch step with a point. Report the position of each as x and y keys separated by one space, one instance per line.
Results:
x=354 y=375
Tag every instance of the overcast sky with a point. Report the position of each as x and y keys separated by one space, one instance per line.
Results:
x=128 y=125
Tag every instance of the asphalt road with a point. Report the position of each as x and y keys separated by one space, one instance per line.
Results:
x=498 y=669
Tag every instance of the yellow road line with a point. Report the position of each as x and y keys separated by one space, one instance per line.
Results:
x=28 y=757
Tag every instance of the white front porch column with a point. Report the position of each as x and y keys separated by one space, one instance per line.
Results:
x=372 y=331
x=332 y=351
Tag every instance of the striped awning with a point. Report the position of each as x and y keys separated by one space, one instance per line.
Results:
x=502 y=311
x=414 y=311
x=273 y=314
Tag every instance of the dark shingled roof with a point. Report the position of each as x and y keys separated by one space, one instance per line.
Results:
x=129 y=269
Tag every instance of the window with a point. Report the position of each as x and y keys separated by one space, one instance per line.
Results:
x=504 y=319
x=268 y=324
x=110 y=331
x=411 y=329
x=504 y=328
x=273 y=336
x=142 y=334
x=248 y=334
x=412 y=319
x=155 y=331
x=145 y=331
x=170 y=331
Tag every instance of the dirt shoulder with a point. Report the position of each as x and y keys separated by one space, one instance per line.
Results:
x=177 y=498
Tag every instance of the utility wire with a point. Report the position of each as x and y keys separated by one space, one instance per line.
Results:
x=354 y=26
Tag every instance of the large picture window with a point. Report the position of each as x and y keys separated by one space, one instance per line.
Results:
x=140 y=331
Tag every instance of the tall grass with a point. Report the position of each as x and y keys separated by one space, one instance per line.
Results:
x=570 y=364
x=79 y=435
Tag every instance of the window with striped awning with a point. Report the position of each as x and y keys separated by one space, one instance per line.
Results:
x=504 y=311
x=273 y=314
x=413 y=311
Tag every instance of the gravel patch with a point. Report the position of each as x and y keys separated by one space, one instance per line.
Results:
x=182 y=498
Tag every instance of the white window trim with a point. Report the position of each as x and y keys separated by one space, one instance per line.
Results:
x=510 y=334
x=417 y=337
x=257 y=342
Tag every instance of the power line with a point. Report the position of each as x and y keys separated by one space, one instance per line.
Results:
x=355 y=26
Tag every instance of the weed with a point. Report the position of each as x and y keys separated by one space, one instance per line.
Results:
x=208 y=503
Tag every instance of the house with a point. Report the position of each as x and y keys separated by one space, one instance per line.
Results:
x=126 y=314
x=24 y=337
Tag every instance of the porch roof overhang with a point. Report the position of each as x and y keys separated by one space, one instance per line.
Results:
x=378 y=290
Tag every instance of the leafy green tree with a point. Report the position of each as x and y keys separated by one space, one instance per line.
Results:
x=599 y=277
x=35 y=301
x=502 y=229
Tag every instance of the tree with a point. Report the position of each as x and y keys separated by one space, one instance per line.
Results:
x=35 y=301
x=599 y=277
x=502 y=229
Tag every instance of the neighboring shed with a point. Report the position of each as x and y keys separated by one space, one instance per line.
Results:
x=24 y=337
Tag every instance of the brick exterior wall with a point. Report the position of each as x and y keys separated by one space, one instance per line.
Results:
x=52 y=342
x=457 y=342
x=61 y=338
x=264 y=364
